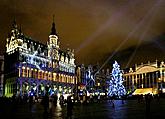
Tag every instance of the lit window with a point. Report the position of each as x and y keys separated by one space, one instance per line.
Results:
x=50 y=76
x=36 y=74
x=54 y=76
x=42 y=74
x=46 y=75
x=24 y=72
x=39 y=74
x=19 y=72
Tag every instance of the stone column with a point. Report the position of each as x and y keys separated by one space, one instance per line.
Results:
x=133 y=78
x=153 y=77
x=37 y=87
x=141 y=77
x=137 y=85
x=20 y=86
x=142 y=85
x=157 y=79
x=126 y=82
x=130 y=82
x=144 y=80
x=149 y=79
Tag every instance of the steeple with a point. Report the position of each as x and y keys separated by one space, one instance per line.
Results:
x=53 y=43
x=53 y=30
x=14 y=24
x=14 y=29
x=20 y=31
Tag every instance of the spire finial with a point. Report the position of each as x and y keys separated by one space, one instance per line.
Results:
x=20 y=28
x=53 y=18
x=53 y=30
x=14 y=25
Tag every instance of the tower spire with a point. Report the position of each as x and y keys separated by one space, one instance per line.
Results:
x=14 y=24
x=14 y=28
x=53 y=30
x=20 y=30
x=53 y=17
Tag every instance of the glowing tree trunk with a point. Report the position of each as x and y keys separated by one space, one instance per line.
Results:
x=116 y=87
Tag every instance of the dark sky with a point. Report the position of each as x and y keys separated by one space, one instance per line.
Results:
x=94 y=28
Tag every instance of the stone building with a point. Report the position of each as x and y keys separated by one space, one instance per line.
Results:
x=30 y=66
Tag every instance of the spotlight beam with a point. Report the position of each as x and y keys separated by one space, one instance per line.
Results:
x=115 y=16
x=151 y=15
x=129 y=35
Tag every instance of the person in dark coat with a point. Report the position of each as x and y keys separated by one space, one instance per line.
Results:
x=69 y=107
x=30 y=101
x=55 y=97
x=148 y=98
x=46 y=102
x=61 y=100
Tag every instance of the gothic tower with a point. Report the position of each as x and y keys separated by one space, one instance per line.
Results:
x=53 y=45
x=13 y=40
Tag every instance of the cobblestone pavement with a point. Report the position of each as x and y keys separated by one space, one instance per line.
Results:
x=131 y=109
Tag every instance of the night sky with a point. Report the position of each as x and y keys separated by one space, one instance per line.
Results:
x=94 y=28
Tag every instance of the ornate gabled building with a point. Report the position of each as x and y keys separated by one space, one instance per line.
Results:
x=92 y=79
x=31 y=66
x=146 y=78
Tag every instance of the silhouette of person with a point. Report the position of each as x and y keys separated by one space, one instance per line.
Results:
x=148 y=98
x=61 y=100
x=30 y=101
x=55 y=97
x=46 y=102
x=69 y=107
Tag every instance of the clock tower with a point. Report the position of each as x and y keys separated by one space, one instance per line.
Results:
x=53 y=44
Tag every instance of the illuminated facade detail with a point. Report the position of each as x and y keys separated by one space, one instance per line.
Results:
x=92 y=80
x=32 y=65
x=85 y=78
x=150 y=75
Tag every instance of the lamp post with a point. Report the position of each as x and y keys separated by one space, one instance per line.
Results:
x=161 y=84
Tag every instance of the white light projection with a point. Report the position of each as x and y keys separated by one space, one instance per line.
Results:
x=90 y=77
x=31 y=58
x=32 y=61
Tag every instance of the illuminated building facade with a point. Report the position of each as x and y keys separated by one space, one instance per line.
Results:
x=31 y=66
x=91 y=79
x=146 y=76
x=87 y=76
x=102 y=80
x=85 y=79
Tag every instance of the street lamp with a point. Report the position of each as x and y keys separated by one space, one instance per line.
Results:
x=98 y=84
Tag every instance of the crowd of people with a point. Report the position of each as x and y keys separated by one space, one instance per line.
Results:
x=48 y=102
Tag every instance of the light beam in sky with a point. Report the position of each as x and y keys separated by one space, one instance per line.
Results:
x=113 y=18
x=148 y=18
x=121 y=44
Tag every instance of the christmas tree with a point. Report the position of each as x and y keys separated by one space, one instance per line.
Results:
x=116 y=87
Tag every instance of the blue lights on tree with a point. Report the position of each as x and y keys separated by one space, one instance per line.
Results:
x=116 y=87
